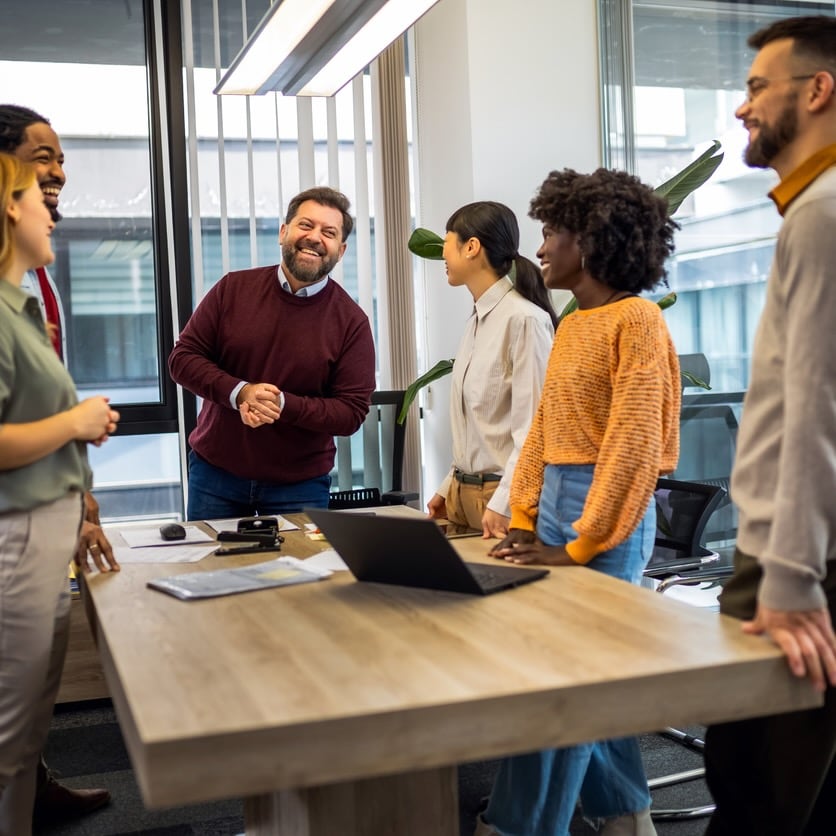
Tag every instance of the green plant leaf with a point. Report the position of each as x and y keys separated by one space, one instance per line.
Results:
x=426 y=244
x=667 y=301
x=693 y=380
x=571 y=305
x=690 y=178
x=441 y=368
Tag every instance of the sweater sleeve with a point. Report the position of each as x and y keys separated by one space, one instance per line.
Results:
x=801 y=534
x=629 y=460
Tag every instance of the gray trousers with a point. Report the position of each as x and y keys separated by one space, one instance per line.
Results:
x=35 y=550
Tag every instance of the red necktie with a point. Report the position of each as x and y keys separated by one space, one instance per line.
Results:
x=53 y=316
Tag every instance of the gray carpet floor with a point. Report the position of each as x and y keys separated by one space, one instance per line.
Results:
x=86 y=748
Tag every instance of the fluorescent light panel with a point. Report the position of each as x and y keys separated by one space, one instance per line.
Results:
x=308 y=48
x=387 y=25
x=280 y=31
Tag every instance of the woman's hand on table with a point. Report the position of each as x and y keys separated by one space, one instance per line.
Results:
x=520 y=546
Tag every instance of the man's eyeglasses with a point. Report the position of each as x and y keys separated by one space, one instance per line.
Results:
x=757 y=84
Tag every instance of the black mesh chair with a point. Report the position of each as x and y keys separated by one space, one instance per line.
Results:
x=683 y=510
x=369 y=465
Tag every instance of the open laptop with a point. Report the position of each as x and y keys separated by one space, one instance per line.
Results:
x=412 y=552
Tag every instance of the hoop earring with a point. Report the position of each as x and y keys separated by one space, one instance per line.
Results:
x=583 y=263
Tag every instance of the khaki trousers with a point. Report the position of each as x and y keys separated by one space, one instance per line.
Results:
x=35 y=550
x=467 y=503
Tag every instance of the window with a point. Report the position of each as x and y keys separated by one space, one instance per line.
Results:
x=674 y=73
x=91 y=68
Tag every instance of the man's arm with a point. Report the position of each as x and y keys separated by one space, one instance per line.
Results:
x=193 y=362
x=791 y=605
x=92 y=542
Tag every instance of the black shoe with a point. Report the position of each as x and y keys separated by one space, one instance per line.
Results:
x=54 y=802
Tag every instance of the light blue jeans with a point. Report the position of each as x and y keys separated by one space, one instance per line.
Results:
x=536 y=794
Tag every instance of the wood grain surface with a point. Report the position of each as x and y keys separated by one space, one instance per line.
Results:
x=336 y=681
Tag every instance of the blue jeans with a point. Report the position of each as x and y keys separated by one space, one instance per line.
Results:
x=215 y=494
x=536 y=794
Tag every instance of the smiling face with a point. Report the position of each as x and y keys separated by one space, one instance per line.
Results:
x=770 y=112
x=42 y=149
x=560 y=259
x=457 y=262
x=32 y=227
x=311 y=243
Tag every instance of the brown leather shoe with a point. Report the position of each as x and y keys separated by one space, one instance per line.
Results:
x=55 y=802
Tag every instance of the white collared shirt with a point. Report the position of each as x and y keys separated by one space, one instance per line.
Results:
x=30 y=284
x=498 y=376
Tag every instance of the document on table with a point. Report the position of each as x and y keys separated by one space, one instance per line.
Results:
x=282 y=571
x=144 y=544
x=328 y=560
x=232 y=525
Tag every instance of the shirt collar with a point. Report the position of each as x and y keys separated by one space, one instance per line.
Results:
x=307 y=290
x=492 y=297
x=798 y=180
x=13 y=296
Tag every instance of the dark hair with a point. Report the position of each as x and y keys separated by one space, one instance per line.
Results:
x=325 y=197
x=496 y=227
x=624 y=230
x=814 y=38
x=14 y=120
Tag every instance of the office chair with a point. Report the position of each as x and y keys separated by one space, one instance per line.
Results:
x=683 y=513
x=683 y=510
x=369 y=463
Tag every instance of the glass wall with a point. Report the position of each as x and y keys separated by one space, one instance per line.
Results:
x=674 y=73
x=89 y=68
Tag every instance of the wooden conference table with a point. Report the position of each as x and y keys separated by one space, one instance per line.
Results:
x=339 y=707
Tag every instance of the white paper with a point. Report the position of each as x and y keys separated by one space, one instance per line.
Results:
x=150 y=536
x=232 y=525
x=176 y=553
x=328 y=560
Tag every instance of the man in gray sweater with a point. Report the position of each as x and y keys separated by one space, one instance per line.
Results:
x=776 y=776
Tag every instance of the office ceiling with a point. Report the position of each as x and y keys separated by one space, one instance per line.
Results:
x=111 y=32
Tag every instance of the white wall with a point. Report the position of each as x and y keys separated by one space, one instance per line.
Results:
x=505 y=92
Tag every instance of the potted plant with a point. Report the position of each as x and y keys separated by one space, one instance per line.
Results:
x=429 y=245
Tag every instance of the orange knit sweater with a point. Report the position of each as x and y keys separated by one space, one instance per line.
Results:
x=611 y=398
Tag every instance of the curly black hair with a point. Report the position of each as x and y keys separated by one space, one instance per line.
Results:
x=624 y=230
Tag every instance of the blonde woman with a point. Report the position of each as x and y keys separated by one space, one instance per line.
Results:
x=44 y=432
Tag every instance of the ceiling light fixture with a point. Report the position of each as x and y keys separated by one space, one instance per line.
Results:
x=315 y=47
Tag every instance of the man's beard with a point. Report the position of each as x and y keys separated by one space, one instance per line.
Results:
x=308 y=273
x=772 y=139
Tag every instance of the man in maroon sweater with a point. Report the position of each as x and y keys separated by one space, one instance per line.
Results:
x=283 y=359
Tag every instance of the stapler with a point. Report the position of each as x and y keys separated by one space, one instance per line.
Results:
x=254 y=534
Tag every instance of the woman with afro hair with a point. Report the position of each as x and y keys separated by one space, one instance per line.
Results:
x=606 y=428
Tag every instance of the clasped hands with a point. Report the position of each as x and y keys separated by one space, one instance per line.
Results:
x=258 y=404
